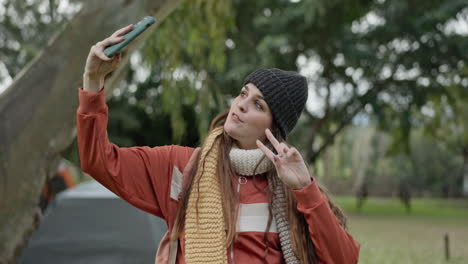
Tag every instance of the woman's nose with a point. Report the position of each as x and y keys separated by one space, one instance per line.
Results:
x=242 y=106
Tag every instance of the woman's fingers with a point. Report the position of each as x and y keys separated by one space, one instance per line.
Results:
x=284 y=148
x=273 y=140
x=113 y=39
x=116 y=59
x=292 y=152
x=97 y=51
x=281 y=148
x=270 y=155
x=97 y=63
x=102 y=56
x=109 y=41
x=123 y=31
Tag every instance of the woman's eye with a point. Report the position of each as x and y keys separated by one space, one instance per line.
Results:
x=259 y=106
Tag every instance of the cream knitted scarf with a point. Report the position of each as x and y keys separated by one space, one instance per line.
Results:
x=205 y=235
x=244 y=161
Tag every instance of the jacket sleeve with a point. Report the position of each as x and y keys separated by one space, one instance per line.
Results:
x=139 y=175
x=332 y=243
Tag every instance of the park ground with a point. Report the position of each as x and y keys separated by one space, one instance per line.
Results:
x=388 y=234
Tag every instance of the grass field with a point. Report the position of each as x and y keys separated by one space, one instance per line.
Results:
x=388 y=234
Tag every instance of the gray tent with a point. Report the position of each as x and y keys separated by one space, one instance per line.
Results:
x=90 y=224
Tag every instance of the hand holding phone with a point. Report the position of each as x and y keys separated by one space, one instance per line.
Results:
x=139 y=27
x=101 y=60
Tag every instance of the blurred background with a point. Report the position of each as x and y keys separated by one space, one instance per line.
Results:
x=386 y=123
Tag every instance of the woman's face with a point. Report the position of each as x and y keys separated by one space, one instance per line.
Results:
x=248 y=117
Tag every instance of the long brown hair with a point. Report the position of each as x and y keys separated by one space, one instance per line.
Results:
x=302 y=244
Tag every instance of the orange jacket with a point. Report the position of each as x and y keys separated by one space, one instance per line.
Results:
x=150 y=178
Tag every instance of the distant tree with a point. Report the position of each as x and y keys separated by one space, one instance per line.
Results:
x=431 y=168
x=446 y=120
x=361 y=196
x=404 y=193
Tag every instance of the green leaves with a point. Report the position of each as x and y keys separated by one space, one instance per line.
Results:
x=188 y=44
x=25 y=28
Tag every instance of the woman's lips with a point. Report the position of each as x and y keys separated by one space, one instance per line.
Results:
x=236 y=118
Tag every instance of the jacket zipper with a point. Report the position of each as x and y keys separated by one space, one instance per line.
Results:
x=242 y=180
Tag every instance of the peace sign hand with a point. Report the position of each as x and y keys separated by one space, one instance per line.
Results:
x=289 y=163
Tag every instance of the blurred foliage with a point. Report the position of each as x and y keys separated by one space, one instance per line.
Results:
x=138 y=116
x=432 y=168
x=26 y=27
x=446 y=119
x=382 y=58
x=188 y=42
x=423 y=61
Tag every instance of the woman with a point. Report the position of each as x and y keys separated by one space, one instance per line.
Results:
x=245 y=196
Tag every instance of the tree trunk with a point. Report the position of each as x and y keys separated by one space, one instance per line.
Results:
x=465 y=172
x=37 y=112
x=362 y=152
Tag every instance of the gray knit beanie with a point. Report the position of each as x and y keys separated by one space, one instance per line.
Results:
x=285 y=93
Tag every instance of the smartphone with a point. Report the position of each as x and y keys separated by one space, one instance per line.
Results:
x=136 y=31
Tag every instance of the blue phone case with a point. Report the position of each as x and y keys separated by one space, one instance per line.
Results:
x=137 y=30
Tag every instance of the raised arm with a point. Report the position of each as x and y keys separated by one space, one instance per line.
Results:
x=139 y=175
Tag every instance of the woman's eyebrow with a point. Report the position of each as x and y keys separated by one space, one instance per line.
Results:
x=258 y=96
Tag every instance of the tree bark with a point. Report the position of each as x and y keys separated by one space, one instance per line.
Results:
x=465 y=172
x=37 y=112
x=362 y=152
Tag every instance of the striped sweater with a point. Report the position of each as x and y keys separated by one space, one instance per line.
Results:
x=150 y=178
